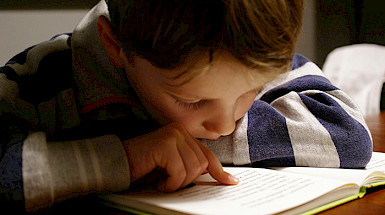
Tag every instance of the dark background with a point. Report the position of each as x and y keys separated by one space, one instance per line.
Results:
x=345 y=22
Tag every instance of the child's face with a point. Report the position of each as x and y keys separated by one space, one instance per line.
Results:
x=209 y=105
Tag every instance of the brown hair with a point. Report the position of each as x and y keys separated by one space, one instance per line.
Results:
x=260 y=33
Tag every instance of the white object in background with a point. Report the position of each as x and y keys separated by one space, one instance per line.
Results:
x=359 y=70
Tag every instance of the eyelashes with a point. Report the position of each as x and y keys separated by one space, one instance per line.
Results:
x=190 y=106
x=197 y=105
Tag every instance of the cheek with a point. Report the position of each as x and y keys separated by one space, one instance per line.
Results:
x=173 y=113
x=243 y=107
x=191 y=120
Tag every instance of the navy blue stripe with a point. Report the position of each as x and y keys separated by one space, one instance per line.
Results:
x=9 y=73
x=351 y=139
x=307 y=82
x=20 y=58
x=54 y=74
x=268 y=138
x=58 y=35
x=298 y=61
x=11 y=182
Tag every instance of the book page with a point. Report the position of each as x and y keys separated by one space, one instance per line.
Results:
x=263 y=190
x=377 y=162
x=358 y=176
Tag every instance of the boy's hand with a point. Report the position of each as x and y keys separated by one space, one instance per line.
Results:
x=182 y=156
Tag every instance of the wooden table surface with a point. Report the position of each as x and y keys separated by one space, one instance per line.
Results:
x=374 y=201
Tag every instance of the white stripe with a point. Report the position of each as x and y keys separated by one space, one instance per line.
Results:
x=96 y=166
x=241 y=153
x=311 y=142
x=81 y=167
x=308 y=68
x=37 y=182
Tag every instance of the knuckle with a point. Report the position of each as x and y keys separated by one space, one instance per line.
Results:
x=196 y=167
x=205 y=163
x=181 y=174
x=173 y=133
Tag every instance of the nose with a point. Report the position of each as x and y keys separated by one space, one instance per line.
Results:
x=222 y=122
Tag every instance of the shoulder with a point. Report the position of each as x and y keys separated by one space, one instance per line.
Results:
x=32 y=59
x=304 y=75
x=39 y=72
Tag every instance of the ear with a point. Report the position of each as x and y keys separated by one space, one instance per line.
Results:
x=109 y=42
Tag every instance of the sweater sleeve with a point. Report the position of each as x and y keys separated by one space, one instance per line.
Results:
x=35 y=99
x=72 y=168
x=300 y=119
x=36 y=174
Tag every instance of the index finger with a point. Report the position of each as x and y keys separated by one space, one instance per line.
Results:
x=215 y=168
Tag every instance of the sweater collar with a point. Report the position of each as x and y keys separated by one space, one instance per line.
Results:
x=98 y=80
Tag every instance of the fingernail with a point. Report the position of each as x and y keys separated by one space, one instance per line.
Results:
x=234 y=179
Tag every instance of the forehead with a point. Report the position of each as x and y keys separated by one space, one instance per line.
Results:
x=202 y=76
x=205 y=78
x=208 y=66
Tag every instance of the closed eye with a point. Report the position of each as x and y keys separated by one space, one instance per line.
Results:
x=190 y=106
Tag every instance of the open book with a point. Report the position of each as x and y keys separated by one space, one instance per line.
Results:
x=290 y=190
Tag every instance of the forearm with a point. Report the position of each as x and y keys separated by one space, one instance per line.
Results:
x=41 y=173
x=307 y=136
x=320 y=123
x=69 y=169
x=299 y=119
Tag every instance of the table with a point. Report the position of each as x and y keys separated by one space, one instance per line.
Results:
x=374 y=201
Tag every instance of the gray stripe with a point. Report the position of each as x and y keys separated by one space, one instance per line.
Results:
x=311 y=142
x=241 y=153
x=37 y=179
x=60 y=170
x=221 y=147
x=232 y=149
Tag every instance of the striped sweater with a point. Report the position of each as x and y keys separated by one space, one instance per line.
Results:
x=64 y=108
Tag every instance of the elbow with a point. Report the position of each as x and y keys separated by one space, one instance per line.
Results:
x=359 y=157
x=355 y=149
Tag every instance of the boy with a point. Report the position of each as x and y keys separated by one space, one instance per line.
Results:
x=141 y=86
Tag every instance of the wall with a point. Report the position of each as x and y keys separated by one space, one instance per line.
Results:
x=23 y=28
x=307 y=40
